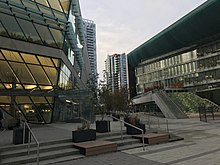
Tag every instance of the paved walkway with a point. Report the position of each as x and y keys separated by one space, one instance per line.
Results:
x=201 y=144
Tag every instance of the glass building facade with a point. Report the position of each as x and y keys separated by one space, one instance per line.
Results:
x=196 y=69
x=41 y=55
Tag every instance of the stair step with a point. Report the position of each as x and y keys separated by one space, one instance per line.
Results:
x=33 y=150
x=127 y=142
x=59 y=160
x=127 y=147
x=115 y=138
x=43 y=156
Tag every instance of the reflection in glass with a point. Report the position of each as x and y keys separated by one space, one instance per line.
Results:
x=58 y=36
x=1 y=57
x=29 y=31
x=50 y=99
x=45 y=111
x=22 y=72
x=45 y=35
x=39 y=74
x=38 y=99
x=59 y=15
x=30 y=5
x=5 y=99
x=46 y=10
x=6 y=74
x=12 y=56
x=31 y=113
x=52 y=74
x=45 y=61
x=43 y=87
x=43 y=2
x=56 y=62
x=55 y=5
x=22 y=99
x=14 y=31
x=2 y=86
x=30 y=86
x=2 y=30
x=65 y=4
x=29 y=58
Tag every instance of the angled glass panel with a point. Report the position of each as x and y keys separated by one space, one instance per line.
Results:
x=52 y=74
x=38 y=99
x=29 y=31
x=56 y=62
x=45 y=111
x=59 y=15
x=46 y=10
x=65 y=4
x=45 y=35
x=1 y=57
x=33 y=87
x=14 y=31
x=16 y=2
x=12 y=56
x=22 y=72
x=45 y=61
x=2 y=30
x=50 y=99
x=39 y=74
x=2 y=86
x=22 y=99
x=46 y=87
x=5 y=99
x=6 y=74
x=30 y=113
x=20 y=12
x=37 y=18
x=30 y=5
x=55 y=5
x=43 y=2
x=58 y=36
x=29 y=58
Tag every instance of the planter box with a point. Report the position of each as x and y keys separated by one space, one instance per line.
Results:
x=102 y=126
x=18 y=135
x=83 y=135
x=132 y=131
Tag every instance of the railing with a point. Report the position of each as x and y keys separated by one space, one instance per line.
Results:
x=142 y=131
x=29 y=140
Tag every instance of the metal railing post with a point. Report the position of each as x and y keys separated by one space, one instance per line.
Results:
x=142 y=131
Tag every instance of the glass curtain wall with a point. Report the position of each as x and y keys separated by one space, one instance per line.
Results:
x=28 y=72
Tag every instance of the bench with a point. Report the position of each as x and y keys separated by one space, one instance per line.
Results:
x=95 y=147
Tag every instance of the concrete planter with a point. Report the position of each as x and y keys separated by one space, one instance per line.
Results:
x=83 y=135
x=132 y=131
x=102 y=126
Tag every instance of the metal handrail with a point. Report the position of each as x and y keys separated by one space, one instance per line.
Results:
x=142 y=131
x=29 y=137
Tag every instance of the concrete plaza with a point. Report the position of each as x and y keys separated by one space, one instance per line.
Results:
x=200 y=145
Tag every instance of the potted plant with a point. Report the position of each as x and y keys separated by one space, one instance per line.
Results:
x=102 y=125
x=83 y=133
x=135 y=121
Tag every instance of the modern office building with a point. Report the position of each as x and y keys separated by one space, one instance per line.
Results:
x=90 y=35
x=44 y=64
x=186 y=55
x=116 y=72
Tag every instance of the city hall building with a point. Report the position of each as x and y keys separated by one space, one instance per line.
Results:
x=44 y=64
x=184 y=56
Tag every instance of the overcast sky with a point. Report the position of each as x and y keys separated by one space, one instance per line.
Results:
x=123 y=25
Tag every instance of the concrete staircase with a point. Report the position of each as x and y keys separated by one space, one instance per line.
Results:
x=124 y=142
x=58 y=150
x=50 y=152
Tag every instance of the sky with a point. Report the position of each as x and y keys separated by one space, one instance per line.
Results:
x=123 y=25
